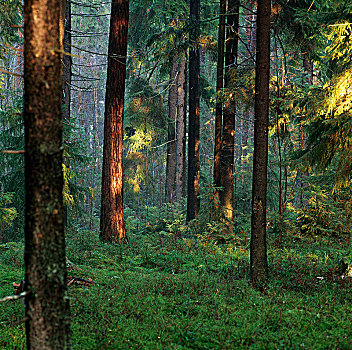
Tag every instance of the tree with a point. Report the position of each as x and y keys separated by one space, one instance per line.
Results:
x=47 y=308
x=219 y=103
x=171 y=133
x=229 y=118
x=193 y=201
x=112 y=222
x=181 y=129
x=67 y=62
x=258 y=253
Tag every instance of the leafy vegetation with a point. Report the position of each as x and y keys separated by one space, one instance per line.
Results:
x=162 y=291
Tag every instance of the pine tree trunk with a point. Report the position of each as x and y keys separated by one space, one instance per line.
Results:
x=219 y=103
x=181 y=129
x=258 y=253
x=193 y=200
x=112 y=222
x=47 y=308
x=171 y=133
x=229 y=118
x=67 y=63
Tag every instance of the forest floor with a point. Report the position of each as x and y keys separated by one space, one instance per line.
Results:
x=162 y=292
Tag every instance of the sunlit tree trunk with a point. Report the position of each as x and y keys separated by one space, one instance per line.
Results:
x=258 y=253
x=171 y=133
x=47 y=308
x=193 y=188
x=112 y=222
x=181 y=129
x=219 y=103
x=229 y=117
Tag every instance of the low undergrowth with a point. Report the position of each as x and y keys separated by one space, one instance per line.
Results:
x=164 y=292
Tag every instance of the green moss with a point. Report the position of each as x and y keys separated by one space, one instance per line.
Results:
x=158 y=292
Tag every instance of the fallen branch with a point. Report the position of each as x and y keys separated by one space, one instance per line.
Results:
x=14 y=297
x=13 y=151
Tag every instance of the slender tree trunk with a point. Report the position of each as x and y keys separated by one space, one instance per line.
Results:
x=301 y=184
x=47 y=308
x=112 y=222
x=181 y=129
x=67 y=63
x=258 y=252
x=219 y=103
x=193 y=200
x=229 y=118
x=171 y=133
x=65 y=30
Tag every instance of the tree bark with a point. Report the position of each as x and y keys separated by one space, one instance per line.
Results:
x=67 y=63
x=219 y=103
x=171 y=133
x=258 y=252
x=229 y=118
x=193 y=200
x=112 y=222
x=181 y=129
x=47 y=308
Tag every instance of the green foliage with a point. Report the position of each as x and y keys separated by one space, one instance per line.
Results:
x=160 y=292
x=7 y=214
x=12 y=165
x=10 y=17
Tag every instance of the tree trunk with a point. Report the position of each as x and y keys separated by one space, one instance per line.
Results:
x=47 y=308
x=193 y=200
x=67 y=63
x=171 y=133
x=181 y=130
x=229 y=118
x=219 y=103
x=258 y=253
x=112 y=222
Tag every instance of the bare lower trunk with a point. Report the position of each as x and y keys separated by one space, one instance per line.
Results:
x=67 y=64
x=219 y=102
x=171 y=134
x=47 y=308
x=181 y=130
x=258 y=252
x=112 y=222
x=193 y=200
x=229 y=117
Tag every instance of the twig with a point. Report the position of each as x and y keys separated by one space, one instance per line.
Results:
x=14 y=297
x=13 y=151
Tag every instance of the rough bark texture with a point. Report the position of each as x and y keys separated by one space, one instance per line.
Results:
x=112 y=223
x=193 y=201
x=258 y=253
x=181 y=130
x=171 y=133
x=67 y=63
x=47 y=309
x=229 y=118
x=219 y=103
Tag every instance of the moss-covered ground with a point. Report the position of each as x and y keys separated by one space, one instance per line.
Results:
x=162 y=292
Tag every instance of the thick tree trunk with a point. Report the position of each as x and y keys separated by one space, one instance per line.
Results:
x=171 y=133
x=47 y=308
x=229 y=118
x=219 y=103
x=258 y=253
x=193 y=200
x=181 y=130
x=112 y=222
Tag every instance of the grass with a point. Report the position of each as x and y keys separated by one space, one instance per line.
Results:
x=160 y=292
